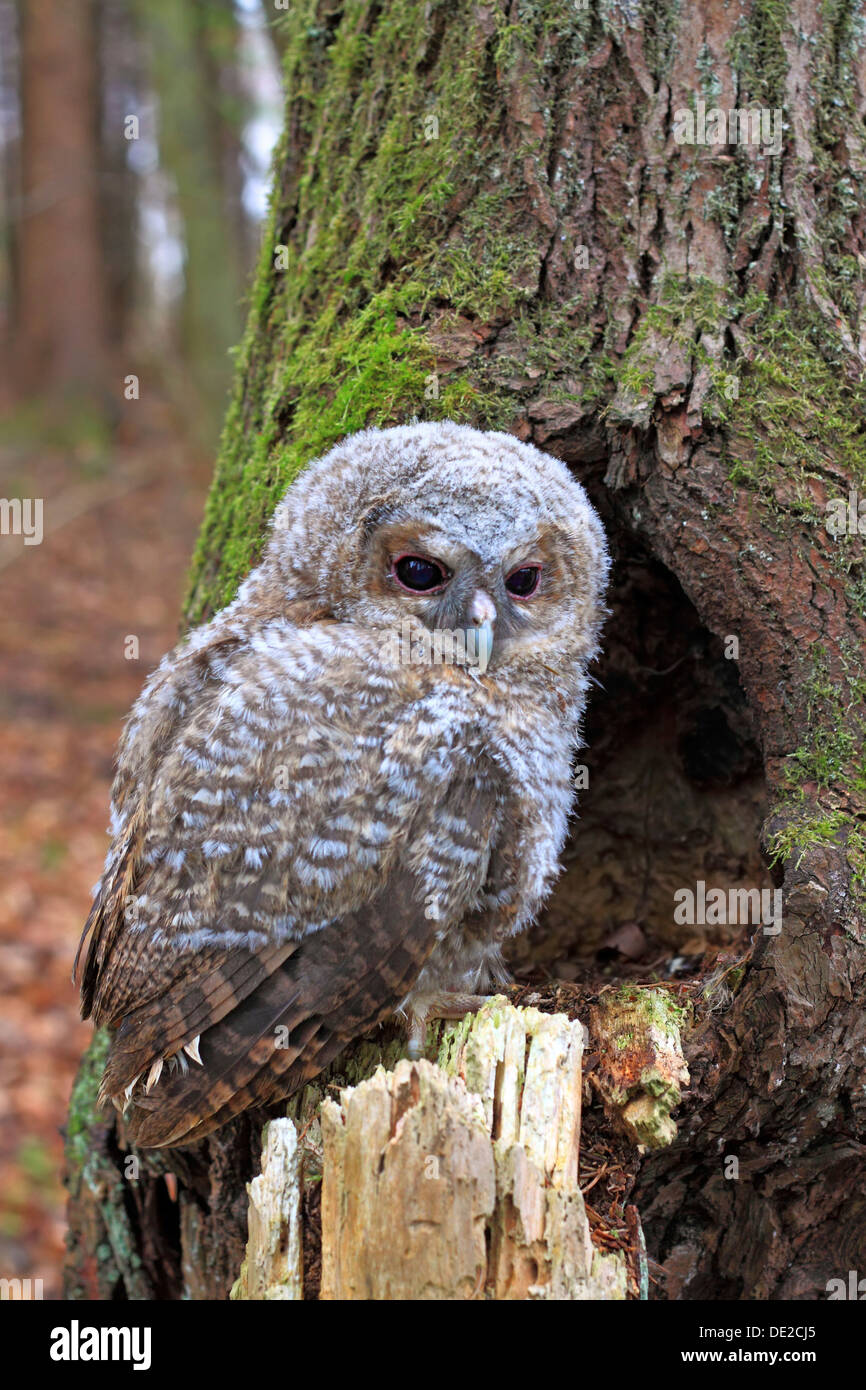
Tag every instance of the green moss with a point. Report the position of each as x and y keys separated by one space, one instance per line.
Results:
x=776 y=428
x=810 y=828
x=656 y=1008
x=802 y=833
x=757 y=53
x=89 y=1165
x=836 y=720
x=824 y=781
x=661 y=21
x=84 y=1116
x=836 y=52
x=683 y=310
x=829 y=769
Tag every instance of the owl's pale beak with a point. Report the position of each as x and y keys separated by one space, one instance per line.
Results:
x=482 y=614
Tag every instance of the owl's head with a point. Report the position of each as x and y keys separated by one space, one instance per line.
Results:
x=452 y=528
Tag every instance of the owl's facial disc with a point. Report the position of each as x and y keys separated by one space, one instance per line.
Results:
x=504 y=595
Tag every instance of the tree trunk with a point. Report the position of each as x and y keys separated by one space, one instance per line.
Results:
x=495 y=214
x=183 y=42
x=61 y=333
x=120 y=90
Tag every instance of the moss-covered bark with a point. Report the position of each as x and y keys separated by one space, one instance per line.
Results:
x=480 y=212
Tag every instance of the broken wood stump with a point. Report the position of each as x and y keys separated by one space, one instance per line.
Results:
x=457 y=1180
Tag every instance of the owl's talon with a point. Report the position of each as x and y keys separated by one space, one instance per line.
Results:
x=417 y=1035
x=445 y=1005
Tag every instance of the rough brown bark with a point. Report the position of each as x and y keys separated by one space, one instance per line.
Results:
x=685 y=326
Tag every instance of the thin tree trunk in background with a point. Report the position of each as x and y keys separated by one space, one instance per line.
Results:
x=189 y=148
x=61 y=314
x=276 y=29
x=483 y=212
x=119 y=54
x=222 y=55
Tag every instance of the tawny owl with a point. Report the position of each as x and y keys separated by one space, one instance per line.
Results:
x=323 y=813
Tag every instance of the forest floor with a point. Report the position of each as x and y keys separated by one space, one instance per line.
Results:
x=118 y=533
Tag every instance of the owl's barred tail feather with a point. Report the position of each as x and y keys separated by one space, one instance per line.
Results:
x=192 y=999
x=324 y=993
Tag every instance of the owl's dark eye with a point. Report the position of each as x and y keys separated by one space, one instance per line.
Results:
x=418 y=574
x=523 y=583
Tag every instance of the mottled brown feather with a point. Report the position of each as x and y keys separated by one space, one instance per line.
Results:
x=331 y=988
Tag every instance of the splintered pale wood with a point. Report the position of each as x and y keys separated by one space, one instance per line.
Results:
x=273 y=1266
x=460 y=1181
x=642 y=1070
x=408 y=1188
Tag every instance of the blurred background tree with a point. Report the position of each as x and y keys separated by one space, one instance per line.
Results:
x=135 y=137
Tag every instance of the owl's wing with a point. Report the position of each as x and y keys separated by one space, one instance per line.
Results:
x=280 y=865
x=326 y=990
